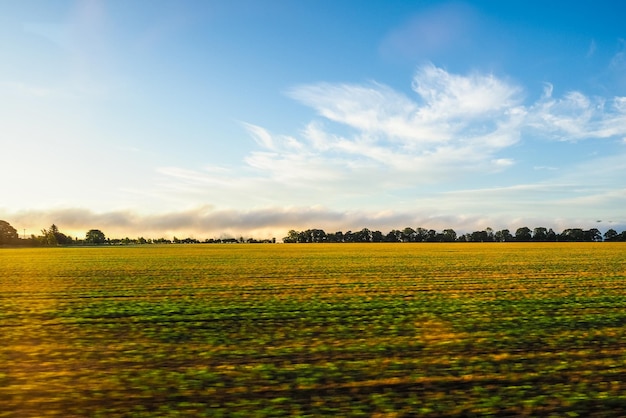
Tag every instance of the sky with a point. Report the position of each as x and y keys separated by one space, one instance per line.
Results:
x=250 y=118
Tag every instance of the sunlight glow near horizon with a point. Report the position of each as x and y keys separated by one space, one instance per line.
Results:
x=253 y=118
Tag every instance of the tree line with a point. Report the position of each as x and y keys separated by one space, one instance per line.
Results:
x=408 y=234
x=52 y=236
x=49 y=237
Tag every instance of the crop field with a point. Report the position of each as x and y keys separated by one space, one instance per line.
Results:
x=250 y=330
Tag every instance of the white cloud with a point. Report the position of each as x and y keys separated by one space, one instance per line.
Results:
x=453 y=121
x=260 y=135
x=503 y=162
x=449 y=96
x=578 y=117
x=374 y=146
x=374 y=108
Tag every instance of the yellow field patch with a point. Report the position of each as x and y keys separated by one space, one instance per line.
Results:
x=321 y=330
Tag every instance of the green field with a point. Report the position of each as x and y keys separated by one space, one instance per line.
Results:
x=314 y=330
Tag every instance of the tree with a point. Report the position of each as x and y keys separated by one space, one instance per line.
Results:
x=540 y=234
x=348 y=236
x=53 y=236
x=408 y=234
x=334 y=237
x=95 y=236
x=393 y=236
x=317 y=235
x=364 y=235
x=572 y=235
x=48 y=236
x=292 y=237
x=8 y=234
x=593 y=235
x=523 y=234
x=421 y=234
x=610 y=235
x=503 y=236
x=481 y=236
x=449 y=235
x=377 y=236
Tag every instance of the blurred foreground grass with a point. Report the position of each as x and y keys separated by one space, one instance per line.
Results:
x=314 y=330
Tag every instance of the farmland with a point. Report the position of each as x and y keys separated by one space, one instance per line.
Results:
x=314 y=330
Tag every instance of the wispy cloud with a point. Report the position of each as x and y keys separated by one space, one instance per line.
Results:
x=453 y=124
x=372 y=146
x=577 y=117
x=452 y=120
x=618 y=62
x=371 y=140
x=592 y=48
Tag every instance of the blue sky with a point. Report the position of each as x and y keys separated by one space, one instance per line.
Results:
x=210 y=118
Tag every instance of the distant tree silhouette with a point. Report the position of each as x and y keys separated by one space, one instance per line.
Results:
x=95 y=236
x=408 y=234
x=503 y=235
x=8 y=234
x=611 y=235
x=53 y=236
x=540 y=234
x=523 y=234
x=449 y=235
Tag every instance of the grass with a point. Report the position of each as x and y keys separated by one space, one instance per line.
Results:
x=314 y=330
